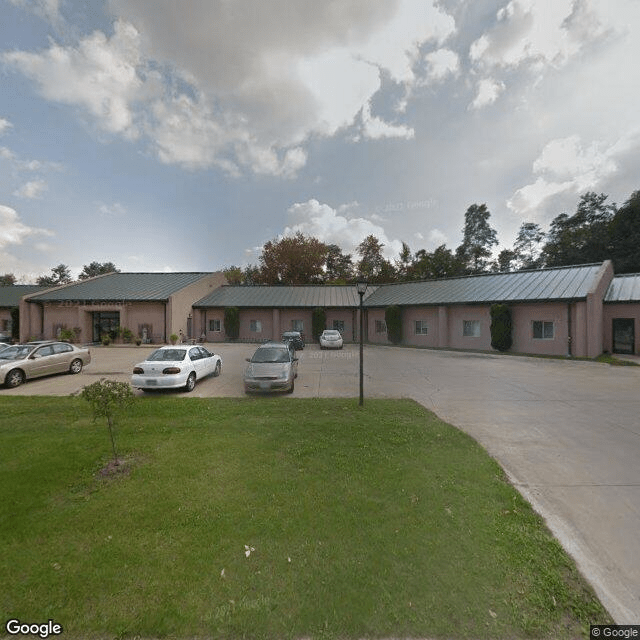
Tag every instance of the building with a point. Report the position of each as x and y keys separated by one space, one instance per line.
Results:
x=10 y=296
x=578 y=310
x=151 y=305
x=266 y=312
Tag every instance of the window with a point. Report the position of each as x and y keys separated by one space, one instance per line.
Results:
x=297 y=325
x=214 y=325
x=338 y=325
x=542 y=330
x=255 y=326
x=62 y=348
x=422 y=328
x=381 y=326
x=471 y=328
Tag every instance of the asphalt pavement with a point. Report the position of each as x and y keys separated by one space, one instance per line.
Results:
x=567 y=433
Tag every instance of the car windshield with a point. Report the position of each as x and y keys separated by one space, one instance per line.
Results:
x=164 y=355
x=15 y=353
x=332 y=334
x=267 y=354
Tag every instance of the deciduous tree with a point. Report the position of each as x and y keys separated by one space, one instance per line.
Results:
x=97 y=269
x=478 y=239
x=291 y=260
x=59 y=275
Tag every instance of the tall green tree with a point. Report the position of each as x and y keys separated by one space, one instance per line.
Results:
x=97 y=269
x=7 y=279
x=59 y=275
x=233 y=275
x=527 y=247
x=478 y=239
x=625 y=236
x=373 y=266
x=583 y=237
x=338 y=266
x=441 y=263
x=291 y=260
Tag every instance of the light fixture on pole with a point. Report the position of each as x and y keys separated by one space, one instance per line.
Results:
x=361 y=288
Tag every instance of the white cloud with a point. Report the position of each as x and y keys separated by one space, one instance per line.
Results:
x=101 y=75
x=441 y=64
x=47 y=9
x=4 y=125
x=322 y=221
x=375 y=128
x=566 y=165
x=250 y=87
x=31 y=190
x=12 y=230
x=488 y=92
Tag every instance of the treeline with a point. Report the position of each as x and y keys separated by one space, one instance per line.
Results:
x=61 y=274
x=597 y=231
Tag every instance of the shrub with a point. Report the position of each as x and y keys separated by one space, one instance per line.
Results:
x=232 y=322
x=105 y=338
x=67 y=335
x=318 y=322
x=501 y=327
x=393 y=319
x=107 y=399
x=127 y=335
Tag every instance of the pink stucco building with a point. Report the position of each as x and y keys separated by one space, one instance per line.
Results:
x=579 y=310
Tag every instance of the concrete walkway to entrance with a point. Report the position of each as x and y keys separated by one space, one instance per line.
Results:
x=566 y=432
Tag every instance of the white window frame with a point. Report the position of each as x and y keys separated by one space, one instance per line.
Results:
x=215 y=325
x=471 y=328
x=421 y=328
x=546 y=329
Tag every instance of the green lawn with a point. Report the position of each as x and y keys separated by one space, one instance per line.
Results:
x=272 y=518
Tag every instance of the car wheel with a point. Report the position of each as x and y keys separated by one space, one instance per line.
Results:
x=292 y=386
x=216 y=371
x=75 y=366
x=14 y=378
x=191 y=382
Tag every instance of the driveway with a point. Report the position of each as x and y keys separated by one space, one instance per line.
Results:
x=566 y=433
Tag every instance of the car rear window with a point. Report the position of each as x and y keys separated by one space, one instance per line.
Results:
x=164 y=355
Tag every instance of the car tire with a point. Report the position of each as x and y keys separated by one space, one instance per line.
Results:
x=14 y=378
x=217 y=370
x=191 y=382
x=293 y=384
x=75 y=366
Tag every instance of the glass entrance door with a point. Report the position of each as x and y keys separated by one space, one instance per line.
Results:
x=105 y=322
x=623 y=335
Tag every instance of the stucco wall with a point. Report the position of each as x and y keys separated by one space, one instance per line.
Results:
x=179 y=305
x=524 y=315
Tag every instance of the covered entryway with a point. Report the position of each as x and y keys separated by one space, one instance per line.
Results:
x=105 y=322
x=623 y=335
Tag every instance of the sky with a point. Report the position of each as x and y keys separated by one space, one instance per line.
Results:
x=182 y=136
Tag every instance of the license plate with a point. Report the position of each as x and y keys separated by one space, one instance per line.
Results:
x=265 y=385
x=151 y=383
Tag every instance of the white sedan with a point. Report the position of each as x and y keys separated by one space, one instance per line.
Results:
x=331 y=339
x=175 y=368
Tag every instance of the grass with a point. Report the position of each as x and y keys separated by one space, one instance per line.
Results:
x=272 y=518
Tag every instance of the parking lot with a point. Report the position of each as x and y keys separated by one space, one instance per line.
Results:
x=566 y=432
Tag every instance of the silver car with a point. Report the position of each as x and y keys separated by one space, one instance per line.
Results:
x=273 y=367
x=331 y=339
x=24 y=361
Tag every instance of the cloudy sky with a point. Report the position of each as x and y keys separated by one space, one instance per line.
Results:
x=182 y=136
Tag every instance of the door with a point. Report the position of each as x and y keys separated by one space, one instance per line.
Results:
x=105 y=322
x=623 y=335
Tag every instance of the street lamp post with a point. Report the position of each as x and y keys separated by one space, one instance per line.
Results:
x=361 y=288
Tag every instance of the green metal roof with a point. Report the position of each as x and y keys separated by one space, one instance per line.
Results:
x=123 y=286
x=326 y=296
x=10 y=295
x=624 y=288
x=562 y=283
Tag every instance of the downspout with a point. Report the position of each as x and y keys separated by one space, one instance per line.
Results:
x=569 y=336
